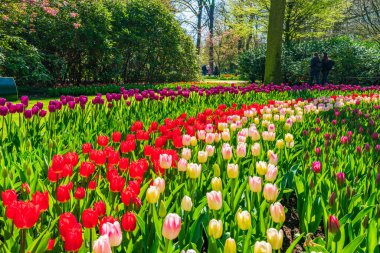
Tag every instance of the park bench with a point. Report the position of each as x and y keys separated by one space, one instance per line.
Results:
x=8 y=88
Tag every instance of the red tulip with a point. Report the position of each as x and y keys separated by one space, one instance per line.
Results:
x=63 y=193
x=123 y=164
x=116 y=136
x=24 y=214
x=102 y=140
x=73 y=238
x=52 y=176
x=127 y=146
x=113 y=157
x=91 y=185
x=65 y=221
x=41 y=200
x=71 y=158
x=333 y=224
x=127 y=196
x=50 y=246
x=8 y=197
x=128 y=222
x=57 y=163
x=86 y=148
x=67 y=171
x=117 y=184
x=100 y=208
x=80 y=193
x=89 y=218
x=86 y=169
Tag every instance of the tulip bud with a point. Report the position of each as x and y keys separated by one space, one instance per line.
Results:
x=340 y=178
x=186 y=204
x=280 y=144
x=365 y=221
x=255 y=149
x=261 y=168
x=232 y=171
x=4 y=172
x=171 y=226
x=210 y=150
x=277 y=212
x=226 y=152
x=160 y=184
x=214 y=200
x=230 y=246
x=255 y=183
x=182 y=165
x=241 y=150
x=194 y=170
x=193 y=141
x=275 y=238
x=202 y=157
x=333 y=224
x=270 y=192
x=332 y=199
x=216 y=184
x=262 y=247
x=216 y=170
x=162 y=209
x=186 y=153
x=152 y=194
x=243 y=219
x=215 y=228
x=271 y=173
x=316 y=167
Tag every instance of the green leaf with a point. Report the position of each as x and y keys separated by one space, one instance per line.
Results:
x=351 y=247
x=362 y=213
x=294 y=243
x=169 y=200
x=372 y=238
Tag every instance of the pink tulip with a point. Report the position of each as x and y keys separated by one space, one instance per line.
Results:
x=270 y=192
x=226 y=151
x=171 y=226
x=255 y=183
x=271 y=173
x=214 y=200
x=165 y=161
x=113 y=231
x=160 y=184
x=186 y=140
x=102 y=245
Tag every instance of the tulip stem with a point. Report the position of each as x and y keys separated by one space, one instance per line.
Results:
x=22 y=240
x=90 y=240
x=166 y=245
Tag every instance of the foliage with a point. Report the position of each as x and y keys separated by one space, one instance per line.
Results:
x=352 y=58
x=100 y=41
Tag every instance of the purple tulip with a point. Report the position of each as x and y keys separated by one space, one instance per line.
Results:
x=3 y=111
x=28 y=114
x=43 y=113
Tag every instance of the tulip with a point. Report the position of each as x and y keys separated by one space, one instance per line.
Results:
x=243 y=219
x=280 y=144
x=316 y=167
x=113 y=231
x=89 y=218
x=273 y=159
x=210 y=150
x=226 y=136
x=100 y=208
x=193 y=141
x=340 y=178
x=182 y=165
x=102 y=245
x=275 y=238
x=230 y=246
x=210 y=137
x=202 y=157
x=271 y=173
x=214 y=200
x=186 y=140
x=255 y=183
x=186 y=153
x=8 y=197
x=270 y=192
x=255 y=149
x=194 y=170
x=232 y=171
x=333 y=224
x=241 y=150
x=261 y=168
x=215 y=228
x=128 y=222
x=201 y=134
x=277 y=212
x=152 y=194
x=171 y=226
x=226 y=152
x=186 y=204
x=262 y=247
x=216 y=184
x=160 y=184
x=165 y=161
x=332 y=199
x=289 y=138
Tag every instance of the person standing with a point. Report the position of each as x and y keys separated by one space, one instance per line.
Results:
x=315 y=69
x=327 y=65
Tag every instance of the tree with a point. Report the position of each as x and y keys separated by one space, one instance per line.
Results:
x=274 y=43
x=210 y=8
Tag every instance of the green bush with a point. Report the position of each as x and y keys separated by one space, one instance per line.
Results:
x=355 y=61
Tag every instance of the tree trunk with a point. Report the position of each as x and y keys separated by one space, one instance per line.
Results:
x=274 y=43
x=287 y=22
x=211 y=35
x=199 y=26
